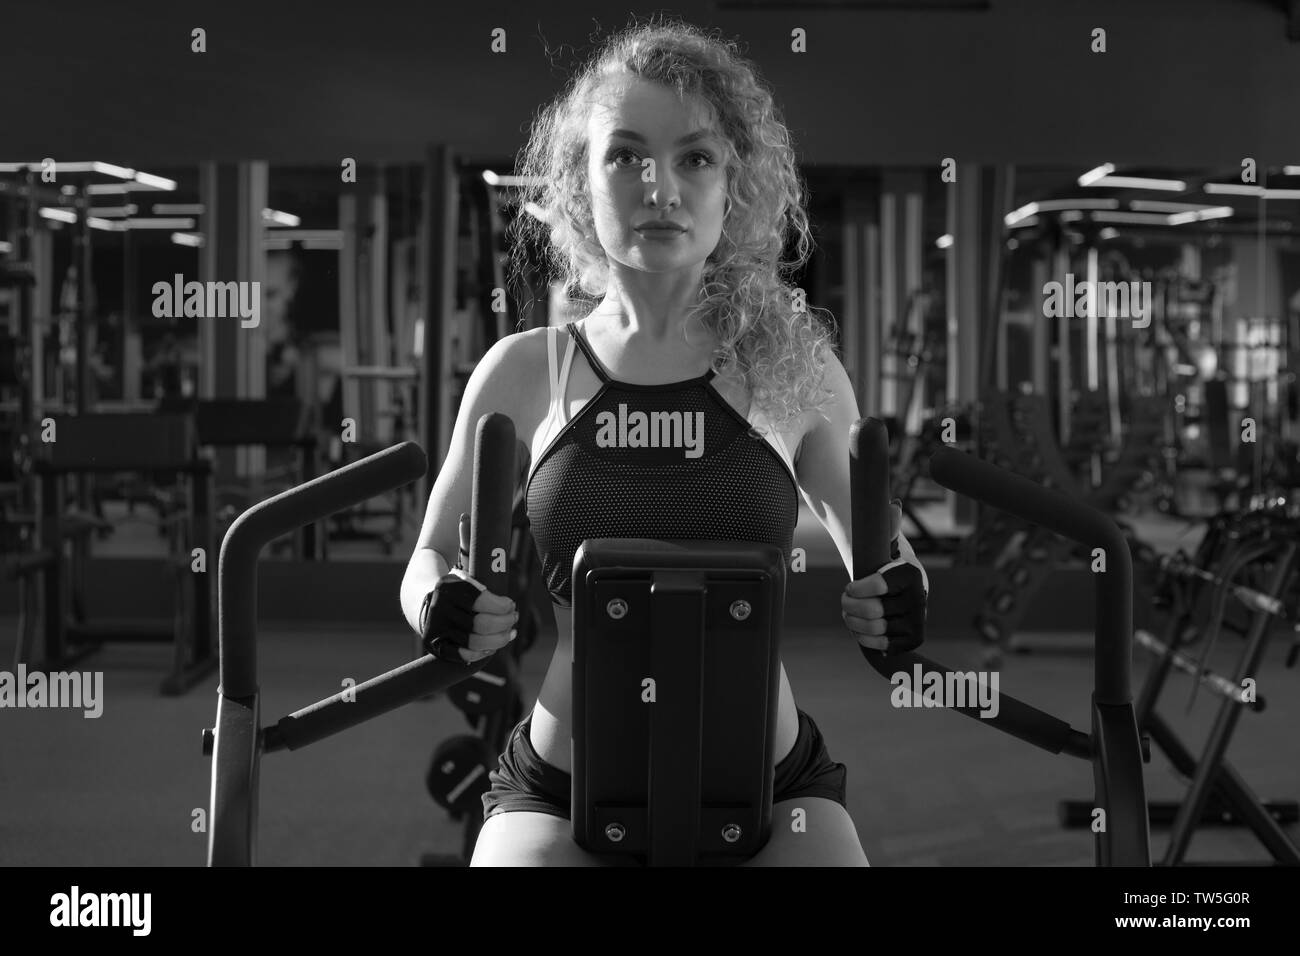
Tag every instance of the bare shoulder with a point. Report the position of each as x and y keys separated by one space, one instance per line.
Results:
x=840 y=411
x=514 y=378
x=837 y=377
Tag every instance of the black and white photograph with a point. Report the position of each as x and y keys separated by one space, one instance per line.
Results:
x=746 y=433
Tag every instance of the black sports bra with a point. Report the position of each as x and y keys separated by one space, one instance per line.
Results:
x=653 y=461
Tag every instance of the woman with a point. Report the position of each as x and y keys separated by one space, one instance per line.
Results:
x=669 y=185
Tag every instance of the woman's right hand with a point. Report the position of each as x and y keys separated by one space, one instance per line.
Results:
x=460 y=622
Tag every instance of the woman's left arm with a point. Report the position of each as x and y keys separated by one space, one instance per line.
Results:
x=885 y=610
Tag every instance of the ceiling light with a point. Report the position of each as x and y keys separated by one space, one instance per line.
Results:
x=1096 y=173
x=1140 y=182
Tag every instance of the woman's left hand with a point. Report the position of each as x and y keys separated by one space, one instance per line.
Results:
x=885 y=611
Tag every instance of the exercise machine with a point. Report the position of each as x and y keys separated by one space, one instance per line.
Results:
x=676 y=654
x=492 y=703
x=1262 y=540
x=625 y=812
x=1112 y=744
x=238 y=740
x=676 y=765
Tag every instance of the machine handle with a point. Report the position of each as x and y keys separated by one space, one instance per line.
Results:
x=869 y=482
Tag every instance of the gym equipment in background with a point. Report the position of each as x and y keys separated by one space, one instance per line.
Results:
x=1261 y=540
x=91 y=444
x=1028 y=558
x=919 y=429
x=914 y=467
x=276 y=424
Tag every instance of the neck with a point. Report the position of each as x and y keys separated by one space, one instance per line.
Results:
x=653 y=308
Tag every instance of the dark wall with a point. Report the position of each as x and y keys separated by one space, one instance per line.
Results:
x=1185 y=82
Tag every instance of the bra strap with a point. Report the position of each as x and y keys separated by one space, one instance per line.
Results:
x=552 y=377
x=562 y=385
x=576 y=336
x=559 y=381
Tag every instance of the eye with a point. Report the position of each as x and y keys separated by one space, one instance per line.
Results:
x=614 y=154
x=707 y=157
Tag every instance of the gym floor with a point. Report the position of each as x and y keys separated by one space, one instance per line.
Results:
x=925 y=787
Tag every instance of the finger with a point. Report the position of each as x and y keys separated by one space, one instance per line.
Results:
x=875 y=643
x=864 y=627
x=873 y=585
x=485 y=644
x=495 y=623
x=489 y=602
x=868 y=608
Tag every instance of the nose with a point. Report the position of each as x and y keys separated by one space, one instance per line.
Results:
x=663 y=193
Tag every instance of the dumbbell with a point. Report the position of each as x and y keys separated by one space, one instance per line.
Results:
x=1037 y=552
x=989 y=629
x=1003 y=602
x=458 y=773
x=1019 y=573
x=488 y=691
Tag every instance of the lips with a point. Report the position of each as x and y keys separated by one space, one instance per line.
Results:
x=661 y=227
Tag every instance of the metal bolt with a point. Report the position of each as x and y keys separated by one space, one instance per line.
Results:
x=731 y=833
x=616 y=608
x=615 y=833
x=740 y=610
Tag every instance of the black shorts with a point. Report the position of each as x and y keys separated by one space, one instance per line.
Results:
x=524 y=781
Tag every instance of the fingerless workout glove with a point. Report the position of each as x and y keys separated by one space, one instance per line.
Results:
x=905 y=607
x=447 y=616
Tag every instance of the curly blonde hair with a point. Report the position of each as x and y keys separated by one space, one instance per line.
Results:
x=780 y=353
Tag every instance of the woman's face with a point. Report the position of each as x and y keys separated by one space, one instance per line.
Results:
x=686 y=185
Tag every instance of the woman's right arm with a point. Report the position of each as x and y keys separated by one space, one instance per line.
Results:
x=494 y=386
x=422 y=573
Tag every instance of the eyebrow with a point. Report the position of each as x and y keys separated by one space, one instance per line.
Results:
x=688 y=138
